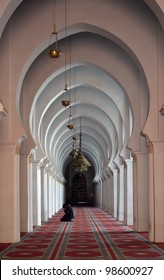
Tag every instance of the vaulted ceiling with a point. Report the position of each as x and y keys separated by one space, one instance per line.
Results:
x=103 y=44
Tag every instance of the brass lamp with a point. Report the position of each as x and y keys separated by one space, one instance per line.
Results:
x=81 y=163
x=55 y=52
x=70 y=123
x=73 y=153
x=66 y=102
x=70 y=126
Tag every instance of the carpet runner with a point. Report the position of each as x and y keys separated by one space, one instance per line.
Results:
x=92 y=235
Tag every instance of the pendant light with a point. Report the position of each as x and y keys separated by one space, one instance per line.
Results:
x=81 y=163
x=66 y=100
x=70 y=122
x=54 y=52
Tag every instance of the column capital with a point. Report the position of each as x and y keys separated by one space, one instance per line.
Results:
x=128 y=161
x=149 y=143
x=134 y=157
x=3 y=112
x=31 y=158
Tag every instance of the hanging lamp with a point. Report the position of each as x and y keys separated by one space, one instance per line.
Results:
x=81 y=163
x=66 y=100
x=70 y=122
x=74 y=151
x=54 y=52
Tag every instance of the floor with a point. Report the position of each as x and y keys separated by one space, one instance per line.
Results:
x=92 y=235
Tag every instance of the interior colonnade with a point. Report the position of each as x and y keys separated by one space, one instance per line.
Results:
x=43 y=192
x=112 y=67
x=115 y=194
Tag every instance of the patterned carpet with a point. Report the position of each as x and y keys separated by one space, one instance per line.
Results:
x=92 y=235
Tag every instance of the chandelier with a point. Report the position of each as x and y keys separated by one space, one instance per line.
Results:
x=74 y=151
x=81 y=164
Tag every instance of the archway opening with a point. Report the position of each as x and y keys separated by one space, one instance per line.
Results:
x=79 y=186
x=79 y=189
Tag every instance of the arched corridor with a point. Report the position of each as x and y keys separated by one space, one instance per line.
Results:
x=109 y=70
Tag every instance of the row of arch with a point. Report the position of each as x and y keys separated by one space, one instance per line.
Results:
x=113 y=61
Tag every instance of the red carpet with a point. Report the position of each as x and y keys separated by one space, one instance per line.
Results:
x=92 y=235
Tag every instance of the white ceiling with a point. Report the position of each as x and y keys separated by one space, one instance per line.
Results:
x=102 y=63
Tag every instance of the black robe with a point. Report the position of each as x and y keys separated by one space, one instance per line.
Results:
x=69 y=215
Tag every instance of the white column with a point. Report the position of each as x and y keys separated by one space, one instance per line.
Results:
x=60 y=196
x=57 y=196
x=45 y=195
x=52 y=198
x=110 y=195
x=63 y=193
x=36 y=195
x=55 y=193
x=125 y=193
x=115 y=193
x=53 y=184
x=30 y=193
x=129 y=192
x=50 y=194
x=43 y=182
x=101 y=194
x=120 y=214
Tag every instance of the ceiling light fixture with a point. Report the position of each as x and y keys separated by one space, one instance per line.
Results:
x=70 y=122
x=81 y=164
x=54 y=52
x=66 y=100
